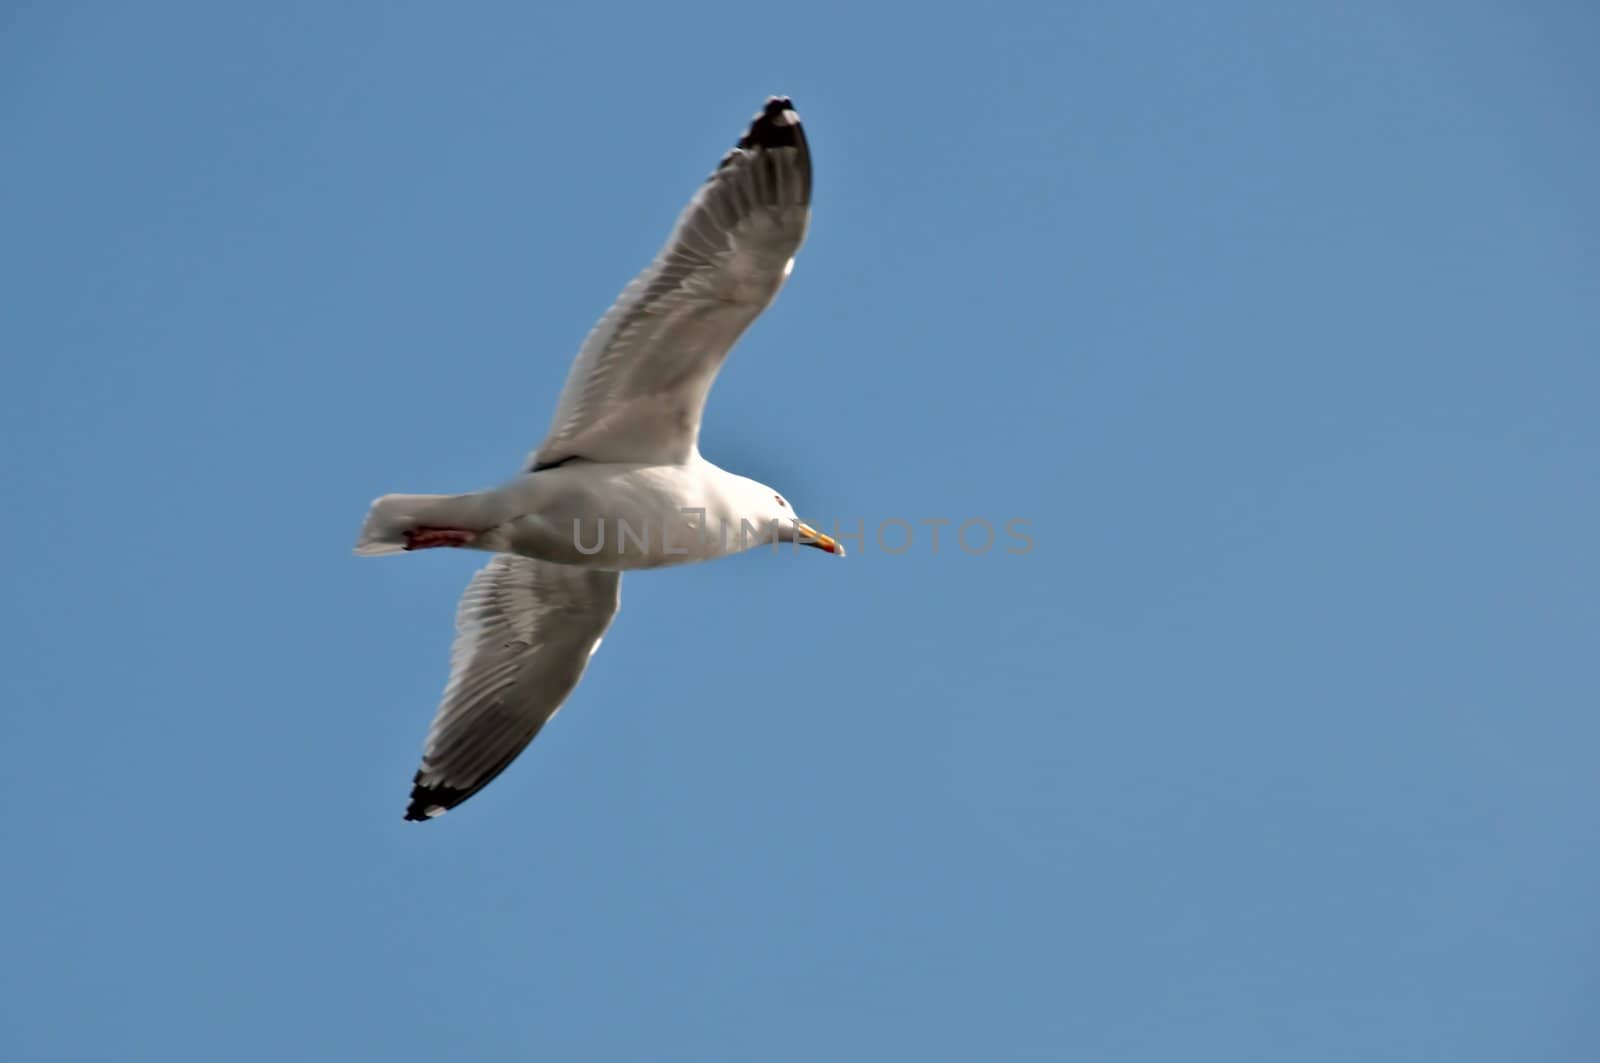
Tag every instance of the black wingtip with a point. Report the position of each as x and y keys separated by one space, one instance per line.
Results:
x=431 y=802
x=777 y=126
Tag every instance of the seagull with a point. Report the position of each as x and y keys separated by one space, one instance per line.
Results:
x=619 y=482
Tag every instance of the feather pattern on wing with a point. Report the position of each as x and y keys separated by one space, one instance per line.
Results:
x=639 y=384
x=525 y=631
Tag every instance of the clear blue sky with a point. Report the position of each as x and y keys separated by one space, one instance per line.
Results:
x=1281 y=329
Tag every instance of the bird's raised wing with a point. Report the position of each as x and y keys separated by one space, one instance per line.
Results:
x=639 y=384
x=524 y=633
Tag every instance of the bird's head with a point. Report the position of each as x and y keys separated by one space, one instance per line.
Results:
x=767 y=510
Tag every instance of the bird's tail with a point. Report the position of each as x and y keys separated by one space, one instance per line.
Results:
x=392 y=516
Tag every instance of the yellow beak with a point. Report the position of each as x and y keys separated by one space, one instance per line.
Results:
x=809 y=536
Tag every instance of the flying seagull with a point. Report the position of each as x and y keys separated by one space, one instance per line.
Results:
x=619 y=482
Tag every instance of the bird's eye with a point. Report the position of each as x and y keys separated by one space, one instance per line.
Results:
x=781 y=502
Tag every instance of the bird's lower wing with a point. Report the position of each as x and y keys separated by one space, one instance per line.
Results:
x=525 y=631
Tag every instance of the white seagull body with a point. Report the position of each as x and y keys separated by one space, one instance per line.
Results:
x=619 y=482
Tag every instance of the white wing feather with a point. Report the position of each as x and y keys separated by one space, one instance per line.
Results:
x=525 y=631
x=638 y=386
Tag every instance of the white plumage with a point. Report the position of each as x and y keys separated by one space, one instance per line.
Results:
x=622 y=452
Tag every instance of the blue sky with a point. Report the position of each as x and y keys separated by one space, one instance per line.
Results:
x=1279 y=327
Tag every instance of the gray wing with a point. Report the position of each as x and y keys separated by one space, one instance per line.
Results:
x=524 y=633
x=639 y=383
